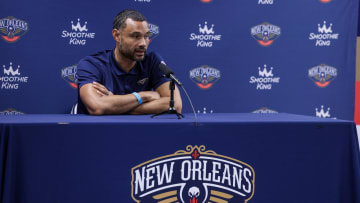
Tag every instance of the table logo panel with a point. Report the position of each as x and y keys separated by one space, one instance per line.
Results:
x=194 y=175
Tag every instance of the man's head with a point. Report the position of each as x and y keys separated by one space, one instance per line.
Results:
x=131 y=33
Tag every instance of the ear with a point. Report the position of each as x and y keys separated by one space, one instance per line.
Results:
x=116 y=35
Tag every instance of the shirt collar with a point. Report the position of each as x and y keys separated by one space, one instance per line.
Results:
x=120 y=71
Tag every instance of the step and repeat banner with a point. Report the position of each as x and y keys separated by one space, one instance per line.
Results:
x=260 y=56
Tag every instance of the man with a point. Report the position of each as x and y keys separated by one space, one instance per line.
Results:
x=125 y=80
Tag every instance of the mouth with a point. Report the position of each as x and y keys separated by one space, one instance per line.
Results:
x=140 y=52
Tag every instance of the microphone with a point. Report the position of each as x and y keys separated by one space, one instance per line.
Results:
x=169 y=73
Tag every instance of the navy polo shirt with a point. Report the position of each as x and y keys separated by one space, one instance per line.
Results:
x=103 y=68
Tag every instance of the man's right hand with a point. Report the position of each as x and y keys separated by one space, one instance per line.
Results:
x=148 y=96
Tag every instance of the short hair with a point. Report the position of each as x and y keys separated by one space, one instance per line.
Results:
x=119 y=21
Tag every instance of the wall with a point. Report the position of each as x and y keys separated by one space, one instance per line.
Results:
x=287 y=71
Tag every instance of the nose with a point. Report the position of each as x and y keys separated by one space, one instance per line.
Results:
x=143 y=42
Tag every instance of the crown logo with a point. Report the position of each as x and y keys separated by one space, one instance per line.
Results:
x=206 y=30
x=265 y=73
x=78 y=27
x=322 y=113
x=11 y=70
x=324 y=28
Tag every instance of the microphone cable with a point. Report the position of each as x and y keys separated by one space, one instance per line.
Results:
x=196 y=123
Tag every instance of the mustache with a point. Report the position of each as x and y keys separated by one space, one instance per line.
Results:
x=140 y=49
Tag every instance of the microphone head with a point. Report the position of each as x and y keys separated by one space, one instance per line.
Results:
x=165 y=69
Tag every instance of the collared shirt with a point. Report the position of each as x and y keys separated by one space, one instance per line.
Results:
x=103 y=68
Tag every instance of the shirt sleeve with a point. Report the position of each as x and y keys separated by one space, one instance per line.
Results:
x=157 y=77
x=87 y=72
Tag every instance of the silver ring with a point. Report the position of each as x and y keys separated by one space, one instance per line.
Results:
x=107 y=93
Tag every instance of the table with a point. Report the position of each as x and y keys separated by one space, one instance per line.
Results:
x=253 y=158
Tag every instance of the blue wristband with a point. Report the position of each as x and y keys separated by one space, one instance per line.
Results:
x=137 y=97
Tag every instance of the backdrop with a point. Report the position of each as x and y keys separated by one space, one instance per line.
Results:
x=261 y=56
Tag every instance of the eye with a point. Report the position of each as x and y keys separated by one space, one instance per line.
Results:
x=148 y=35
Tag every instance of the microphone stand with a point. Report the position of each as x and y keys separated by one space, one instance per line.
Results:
x=171 y=109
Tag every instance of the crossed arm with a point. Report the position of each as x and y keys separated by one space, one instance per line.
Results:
x=99 y=101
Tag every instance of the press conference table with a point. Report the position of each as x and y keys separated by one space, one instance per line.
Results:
x=107 y=159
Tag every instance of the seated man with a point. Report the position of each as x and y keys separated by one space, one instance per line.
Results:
x=125 y=80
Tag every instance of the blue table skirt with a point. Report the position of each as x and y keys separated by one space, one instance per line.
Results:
x=94 y=159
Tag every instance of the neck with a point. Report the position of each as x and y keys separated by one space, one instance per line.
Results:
x=125 y=63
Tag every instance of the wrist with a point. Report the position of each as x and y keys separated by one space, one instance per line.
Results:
x=138 y=97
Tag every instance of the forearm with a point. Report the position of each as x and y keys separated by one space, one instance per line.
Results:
x=157 y=106
x=115 y=104
x=153 y=107
x=98 y=102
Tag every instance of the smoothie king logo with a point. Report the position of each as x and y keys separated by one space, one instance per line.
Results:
x=269 y=2
x=11 y=78
x=193 y=175
x=206 y=35
x=322 y=113
x=12 y=29
x=205 y=76
x=69 y=75
x=78 y=34
x=265 y=33
x=324 y=36
x=265 y=80
x=322 y=75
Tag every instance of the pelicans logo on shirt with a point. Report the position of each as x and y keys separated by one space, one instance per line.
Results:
x=265 y=33
x=12 y=29
x=194 y=175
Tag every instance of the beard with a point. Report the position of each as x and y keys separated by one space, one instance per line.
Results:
x=132 y=54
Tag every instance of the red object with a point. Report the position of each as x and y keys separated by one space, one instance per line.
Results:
x=195 y=154
x=193 y=200
x=74 y=85
x=324 y=84
x=8 y=39
x=265 y=44
x=205 y=86
x=357 y=103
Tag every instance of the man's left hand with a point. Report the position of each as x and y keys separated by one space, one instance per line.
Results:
x=101 y=89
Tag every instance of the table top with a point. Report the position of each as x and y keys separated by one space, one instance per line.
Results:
x=145 y=119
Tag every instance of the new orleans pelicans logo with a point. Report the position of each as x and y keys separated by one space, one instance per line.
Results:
x=265 y=33
x=154 y=30
x=205 y=76
x=322 y=75
x=69 y=75
x=12 y=29
x=193 y=176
